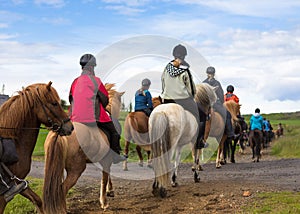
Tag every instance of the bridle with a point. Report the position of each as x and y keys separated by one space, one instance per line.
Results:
x=54 y=126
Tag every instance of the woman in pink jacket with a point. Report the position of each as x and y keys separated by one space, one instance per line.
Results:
x=88 y=98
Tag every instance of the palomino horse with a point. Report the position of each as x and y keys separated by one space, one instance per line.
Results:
x=170 y=128
x=218 y=130
x=136 y=130
x=20 y=119
x=72 y=153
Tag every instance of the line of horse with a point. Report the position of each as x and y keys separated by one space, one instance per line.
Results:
x=168 y=129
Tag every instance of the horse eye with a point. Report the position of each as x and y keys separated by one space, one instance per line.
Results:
x=55 y=104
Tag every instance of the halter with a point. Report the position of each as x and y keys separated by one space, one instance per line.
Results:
x=54 y=126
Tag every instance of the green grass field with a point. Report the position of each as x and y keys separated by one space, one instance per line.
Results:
x=279 y=202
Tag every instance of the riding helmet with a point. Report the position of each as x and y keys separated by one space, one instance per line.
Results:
x=146 y=82
x=88 y=60
x=257 y=110
x=179 y=52
x=210 y=70
x=230 y=88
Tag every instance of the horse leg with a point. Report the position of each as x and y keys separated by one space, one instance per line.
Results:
x=176 y=164
x=233 y=146
x=34 y=198
x=149 y=162
x=109 y=188
x=139 y=152
x=220 y=151
x=104 y=181
x=196 y=166
x=126 y=151
x=2 y=204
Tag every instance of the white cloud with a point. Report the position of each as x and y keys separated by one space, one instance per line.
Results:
x=256 y=8
x=125 y=10
x=52 y=3
x=56 y=21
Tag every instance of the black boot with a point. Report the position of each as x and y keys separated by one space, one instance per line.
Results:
x=116 y=148
x=14 y=190
x=200 y=144
x=9 y=188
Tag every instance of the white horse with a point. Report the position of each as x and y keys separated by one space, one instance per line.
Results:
x=170 y=128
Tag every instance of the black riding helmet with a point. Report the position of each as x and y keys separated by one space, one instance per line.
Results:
x=210 y=70
x=230 y=88
x=179 y=52
x=87 y=60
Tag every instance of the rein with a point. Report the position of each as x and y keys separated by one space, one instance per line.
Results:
x=54 y=126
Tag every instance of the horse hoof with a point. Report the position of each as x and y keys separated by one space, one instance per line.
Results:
x=125 y=169
x=174 y=184
x=150 y=166
x=141 y=164
x=163 y=192
x=110 y=194
x=232 y=161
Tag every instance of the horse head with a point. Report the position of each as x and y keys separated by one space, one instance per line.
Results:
x=115 y=103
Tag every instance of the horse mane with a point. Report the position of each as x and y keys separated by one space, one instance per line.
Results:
x=111 y=93
x=205 y=95
x=15 y=111
x=233 y=108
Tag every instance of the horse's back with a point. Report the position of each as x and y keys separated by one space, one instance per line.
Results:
x=181 y=123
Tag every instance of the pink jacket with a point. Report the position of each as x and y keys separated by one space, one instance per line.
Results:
x=85 y=102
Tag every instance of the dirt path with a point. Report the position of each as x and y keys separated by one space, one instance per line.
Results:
x=219 y=191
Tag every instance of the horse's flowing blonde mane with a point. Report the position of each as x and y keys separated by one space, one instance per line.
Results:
x=17 y=110
x=233 y=108
x=205 y=95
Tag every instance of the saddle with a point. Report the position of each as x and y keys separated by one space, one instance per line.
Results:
x=8 y=156
x=8 y=152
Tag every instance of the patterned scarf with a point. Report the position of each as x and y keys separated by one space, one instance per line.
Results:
x=174 y=71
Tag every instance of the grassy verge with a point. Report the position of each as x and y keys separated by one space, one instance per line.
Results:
x=279 y=202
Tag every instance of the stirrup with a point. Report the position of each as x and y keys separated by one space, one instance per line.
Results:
x=14 y=190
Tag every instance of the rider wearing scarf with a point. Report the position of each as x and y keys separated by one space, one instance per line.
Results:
x=178 y=87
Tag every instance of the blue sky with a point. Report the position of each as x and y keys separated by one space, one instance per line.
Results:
x=254 y=45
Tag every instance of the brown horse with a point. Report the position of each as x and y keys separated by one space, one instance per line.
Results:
x=20 y=119
x=136 y=130
x=72 y=153
x=218 y=130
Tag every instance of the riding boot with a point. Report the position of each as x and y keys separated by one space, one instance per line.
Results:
x=200 y=144
x=9 y=188
x=116 y=148
x=228 y=127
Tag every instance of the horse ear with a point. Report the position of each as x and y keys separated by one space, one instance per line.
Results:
x=122 y=93
x=216 y=88
x=49 y=86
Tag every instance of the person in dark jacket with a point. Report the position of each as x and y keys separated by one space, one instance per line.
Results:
x=143 y=98
x=218 y=106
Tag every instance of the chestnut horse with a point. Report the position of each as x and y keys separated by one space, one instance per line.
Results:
x=218 y=123
x=20 y=119
x=136 y=130
x=72 y=153
x=170 y=128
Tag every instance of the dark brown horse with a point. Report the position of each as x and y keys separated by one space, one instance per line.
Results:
x=20 y=119
x=136 y=130
x=85 y=144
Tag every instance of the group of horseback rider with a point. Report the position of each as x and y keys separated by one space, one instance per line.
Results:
x=88 y=98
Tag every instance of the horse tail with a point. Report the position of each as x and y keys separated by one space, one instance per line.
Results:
x=160 y=146
x=54 y=197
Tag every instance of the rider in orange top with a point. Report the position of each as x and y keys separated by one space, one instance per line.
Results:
x=230 y=95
